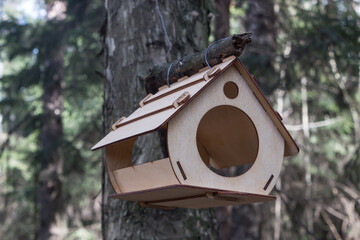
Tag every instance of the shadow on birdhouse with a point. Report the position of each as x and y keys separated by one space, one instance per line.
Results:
x=215 y=119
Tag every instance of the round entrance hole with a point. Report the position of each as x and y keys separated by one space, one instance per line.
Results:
x=231 y=90
x=227 y=141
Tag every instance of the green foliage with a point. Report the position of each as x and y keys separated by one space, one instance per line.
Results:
x=319 y=41
x=26 y=45
x=325 y=50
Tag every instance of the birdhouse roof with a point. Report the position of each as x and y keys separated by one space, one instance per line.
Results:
x=157 y=110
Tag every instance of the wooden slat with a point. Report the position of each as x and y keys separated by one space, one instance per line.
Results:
x=203 y=69
x=163 y=87
x=175 y=87
x=182 y=79
x=141 y=103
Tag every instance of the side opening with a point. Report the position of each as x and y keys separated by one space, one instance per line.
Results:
x=146 y=168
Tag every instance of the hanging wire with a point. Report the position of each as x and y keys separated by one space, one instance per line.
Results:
x=168 y=71
x=164 y=28
x=207 y=50
x=167 y=76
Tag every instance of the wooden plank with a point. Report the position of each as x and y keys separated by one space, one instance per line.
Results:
x=175 y=192
x=185 y=196
x=145 y=176
x=135 y=128
x=161 y=193
x=200 y=202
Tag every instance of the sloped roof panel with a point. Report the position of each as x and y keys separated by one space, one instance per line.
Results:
x=158 y=109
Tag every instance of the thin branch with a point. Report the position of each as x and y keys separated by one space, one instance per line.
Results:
x=6 y=141
x=288 y=209
x=349 y=191
x=189 y=65
x=331 y=225
x=312 y=125
x=335 y=213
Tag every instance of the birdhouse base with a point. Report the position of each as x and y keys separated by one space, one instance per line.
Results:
x=186 y=196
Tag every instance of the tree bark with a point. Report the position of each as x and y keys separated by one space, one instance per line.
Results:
x=135 y=41
x=222 y=19
x=261 y=21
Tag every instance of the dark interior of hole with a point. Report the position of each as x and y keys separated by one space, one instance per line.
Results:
x=231 y=90
x=227 y=140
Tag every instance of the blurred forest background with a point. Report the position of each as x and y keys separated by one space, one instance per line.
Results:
x=305 y=55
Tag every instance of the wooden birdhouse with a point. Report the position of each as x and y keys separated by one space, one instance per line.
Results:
x=215 y=119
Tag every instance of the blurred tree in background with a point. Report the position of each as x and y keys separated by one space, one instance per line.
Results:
x=50 y=106
x=305 y=55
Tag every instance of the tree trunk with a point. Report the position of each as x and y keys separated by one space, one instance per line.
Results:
x=52 y=218
x=50 y=196
x=306 y=154
x=261 y=21
x=135 y=41
x=222 y=19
